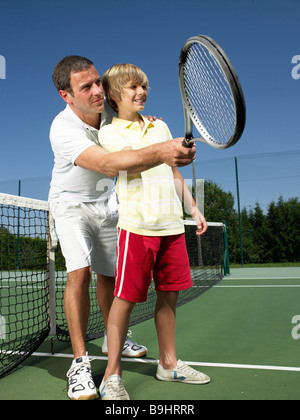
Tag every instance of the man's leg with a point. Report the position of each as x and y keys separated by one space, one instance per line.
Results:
x=77 y=307
x=105 y=295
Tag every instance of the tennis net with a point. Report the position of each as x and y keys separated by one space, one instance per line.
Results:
x=33 y=279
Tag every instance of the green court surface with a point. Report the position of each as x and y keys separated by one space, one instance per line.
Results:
x=240 y=333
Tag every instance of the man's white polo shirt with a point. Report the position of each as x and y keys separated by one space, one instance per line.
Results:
x=69 y=137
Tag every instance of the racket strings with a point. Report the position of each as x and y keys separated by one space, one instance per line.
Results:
x=215 y=107
x=214 y=103
x=208 y=94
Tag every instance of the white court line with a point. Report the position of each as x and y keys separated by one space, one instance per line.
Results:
x=260 y=278
x=266 y=286
x=155 y=362
x=259 y=285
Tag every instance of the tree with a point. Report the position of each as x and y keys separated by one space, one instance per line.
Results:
x=256 y=236
x=219 y=207
x=283 y=220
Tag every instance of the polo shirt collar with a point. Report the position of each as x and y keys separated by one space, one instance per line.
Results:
x=128 y=124
x=71 y=114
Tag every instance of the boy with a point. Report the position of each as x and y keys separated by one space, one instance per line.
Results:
x=151 y=233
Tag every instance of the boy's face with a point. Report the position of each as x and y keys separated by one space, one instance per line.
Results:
x=133 y=97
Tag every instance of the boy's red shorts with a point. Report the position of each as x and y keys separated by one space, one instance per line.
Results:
x=141 y=257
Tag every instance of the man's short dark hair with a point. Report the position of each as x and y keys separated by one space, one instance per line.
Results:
x=62 y=72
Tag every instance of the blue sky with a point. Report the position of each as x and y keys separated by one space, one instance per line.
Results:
x=261 y=37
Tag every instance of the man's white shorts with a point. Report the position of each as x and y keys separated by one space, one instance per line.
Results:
x=87 y=234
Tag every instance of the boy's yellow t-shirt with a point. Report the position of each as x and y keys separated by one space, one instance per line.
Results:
x=148 y=202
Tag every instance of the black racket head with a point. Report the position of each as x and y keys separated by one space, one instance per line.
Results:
x=211 y=92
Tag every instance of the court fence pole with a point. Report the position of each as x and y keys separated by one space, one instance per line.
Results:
x=239 y=209
x=18 y=229
x=226 y=264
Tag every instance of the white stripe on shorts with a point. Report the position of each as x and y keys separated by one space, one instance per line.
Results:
x=124 y=262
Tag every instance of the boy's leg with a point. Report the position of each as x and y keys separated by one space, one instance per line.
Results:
x=170 y=369
x=105 y=297
x=117 y=328
x=112 y=387
x=172 y=272
x=165 y=322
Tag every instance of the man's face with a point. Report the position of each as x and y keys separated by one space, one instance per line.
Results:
x=88 y=93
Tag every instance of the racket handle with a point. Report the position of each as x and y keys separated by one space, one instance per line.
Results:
x=188 y=142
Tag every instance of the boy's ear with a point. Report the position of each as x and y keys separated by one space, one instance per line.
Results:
x=112 y=101
x=111 y=95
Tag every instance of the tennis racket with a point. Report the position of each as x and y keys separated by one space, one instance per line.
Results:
x=211 y=93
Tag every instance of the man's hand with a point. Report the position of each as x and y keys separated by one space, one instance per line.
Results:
x=173 y=153
x=150 y=118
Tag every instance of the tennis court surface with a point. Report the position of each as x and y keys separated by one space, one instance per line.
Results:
x=243 y=333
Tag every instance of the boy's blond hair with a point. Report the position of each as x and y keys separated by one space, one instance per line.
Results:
x=116 y=78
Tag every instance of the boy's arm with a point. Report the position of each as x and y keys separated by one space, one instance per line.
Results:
x=171 y=152
x=186 y=197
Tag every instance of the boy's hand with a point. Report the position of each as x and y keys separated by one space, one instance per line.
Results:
x=200 y=222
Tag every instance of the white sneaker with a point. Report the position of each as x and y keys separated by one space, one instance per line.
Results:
x=113 y=389
x=130 y=349
x=182 y=373
x=81 y=384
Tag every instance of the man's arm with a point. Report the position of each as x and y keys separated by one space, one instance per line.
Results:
x=171 y=152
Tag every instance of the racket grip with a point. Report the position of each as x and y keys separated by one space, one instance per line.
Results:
x=187 y=143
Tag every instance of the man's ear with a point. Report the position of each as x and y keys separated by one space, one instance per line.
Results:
x=67 y=97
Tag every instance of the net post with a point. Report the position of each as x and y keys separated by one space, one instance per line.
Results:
x=51 y=246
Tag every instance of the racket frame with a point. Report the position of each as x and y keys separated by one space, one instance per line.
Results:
x=190 y=116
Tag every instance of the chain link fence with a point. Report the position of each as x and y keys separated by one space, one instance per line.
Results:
x=258 y=198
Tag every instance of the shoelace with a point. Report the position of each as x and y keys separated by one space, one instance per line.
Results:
x=188 y=370
x=83 y=369
x=130 y=341
x=117 y=387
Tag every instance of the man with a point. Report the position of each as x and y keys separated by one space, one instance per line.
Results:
x=83 y=202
